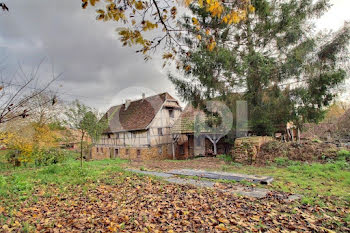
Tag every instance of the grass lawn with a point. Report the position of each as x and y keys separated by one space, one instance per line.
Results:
x=314 y=181
x=102 y=196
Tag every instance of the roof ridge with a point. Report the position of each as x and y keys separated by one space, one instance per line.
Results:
x=131 y=101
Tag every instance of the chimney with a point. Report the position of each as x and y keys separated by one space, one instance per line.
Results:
x=143 y=96
x=127 y=104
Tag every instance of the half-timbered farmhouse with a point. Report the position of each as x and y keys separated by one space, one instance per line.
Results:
x=139 y=129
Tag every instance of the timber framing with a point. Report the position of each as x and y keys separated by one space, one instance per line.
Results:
x=142 y=125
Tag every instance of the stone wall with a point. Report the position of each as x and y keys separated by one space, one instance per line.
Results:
x=140 y=154
x=246 y=149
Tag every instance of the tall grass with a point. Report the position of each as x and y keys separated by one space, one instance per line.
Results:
x=19 y=184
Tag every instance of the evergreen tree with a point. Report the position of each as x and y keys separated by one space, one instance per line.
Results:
x=271 y=56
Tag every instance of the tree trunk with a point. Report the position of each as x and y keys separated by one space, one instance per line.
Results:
x=214 y=141
x=81 y=149
x=173 y=148
x=215 y=149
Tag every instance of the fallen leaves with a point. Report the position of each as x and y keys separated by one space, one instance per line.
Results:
x=141 y=204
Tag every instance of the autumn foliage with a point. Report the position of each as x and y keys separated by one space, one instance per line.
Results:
x=29 y=138
x=161 y=17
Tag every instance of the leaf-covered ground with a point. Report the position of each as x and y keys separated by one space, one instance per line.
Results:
x=116 y=201
x=102 y=197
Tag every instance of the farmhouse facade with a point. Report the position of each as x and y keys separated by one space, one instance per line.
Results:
x=139 y=130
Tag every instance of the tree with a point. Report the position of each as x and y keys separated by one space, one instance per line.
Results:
x=85 y=119
x=270 y=56
x=16 y=94
x=46 y=108
x=140 y=17
x=95 y=125
x=28 y=138
x=335 y=112
x=75 y=115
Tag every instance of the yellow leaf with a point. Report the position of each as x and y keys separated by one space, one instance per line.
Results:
x=200 y=3
x=167 y=55
x=221 y=227
x=212 y=45
x=195 y=21
x=93 y=2
x=199 y=37
x=133 y=22
x=188 y=2
x=223 y=220
x=251 y=9
x=139 y=5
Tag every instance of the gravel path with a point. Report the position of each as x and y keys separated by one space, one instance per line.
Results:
x=245 y=191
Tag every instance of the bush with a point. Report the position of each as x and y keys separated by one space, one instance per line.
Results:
x=12 y=157
x=343 y=155
x=50 y=156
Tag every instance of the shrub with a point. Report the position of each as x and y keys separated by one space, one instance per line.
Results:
x=12 y=157
x=50 y=156
x=343 y=155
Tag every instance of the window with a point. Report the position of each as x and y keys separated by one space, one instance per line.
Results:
x=127 y=151
x=133 y=134
x=109 y=135
x=97 y=149
x=116 y=152
x=160 y=131
x=171 y=113
x=160 y=150
x=117 y=135
x=102 y=149
x=138 y=152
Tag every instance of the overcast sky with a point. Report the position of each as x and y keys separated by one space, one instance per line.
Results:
x=96 y=68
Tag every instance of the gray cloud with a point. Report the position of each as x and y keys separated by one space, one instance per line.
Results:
x=93 y=62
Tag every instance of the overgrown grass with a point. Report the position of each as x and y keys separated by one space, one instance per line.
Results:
x=3 y=162
x=45 y=159
x=226 y=158
x=311 y=180
x=19 y=184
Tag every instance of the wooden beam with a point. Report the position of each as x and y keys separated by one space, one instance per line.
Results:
x=175 y=138
x=214 y=141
